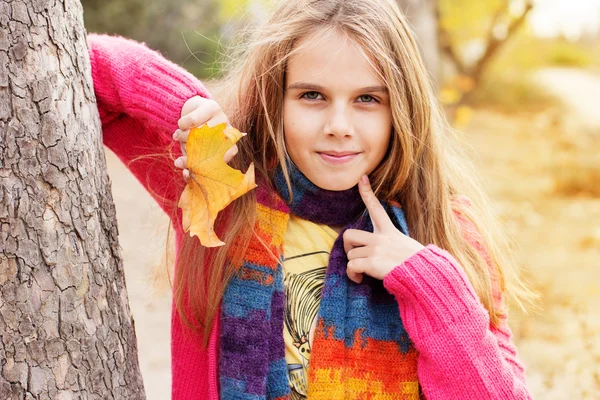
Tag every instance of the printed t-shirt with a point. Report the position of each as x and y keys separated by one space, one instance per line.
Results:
x=306 y=255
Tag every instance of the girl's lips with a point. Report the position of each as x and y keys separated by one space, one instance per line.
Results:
x=332 y=158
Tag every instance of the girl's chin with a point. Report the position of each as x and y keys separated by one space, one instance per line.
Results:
x=335 y=185
x=336 y=179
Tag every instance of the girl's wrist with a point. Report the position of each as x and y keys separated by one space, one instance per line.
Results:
x=413 y=249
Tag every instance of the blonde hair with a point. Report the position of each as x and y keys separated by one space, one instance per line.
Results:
x=424 y=169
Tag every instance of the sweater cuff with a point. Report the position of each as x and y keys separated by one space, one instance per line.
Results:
x=433 y=282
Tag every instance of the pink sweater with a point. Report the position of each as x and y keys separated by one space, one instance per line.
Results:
x=461 y=355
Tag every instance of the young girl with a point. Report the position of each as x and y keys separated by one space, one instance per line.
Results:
x=325 y=288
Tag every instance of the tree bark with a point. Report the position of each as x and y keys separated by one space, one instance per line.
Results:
x=66 y=331
x=421 y=16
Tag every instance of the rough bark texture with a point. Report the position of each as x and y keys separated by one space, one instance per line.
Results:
x=421 y=15
x=66 y=331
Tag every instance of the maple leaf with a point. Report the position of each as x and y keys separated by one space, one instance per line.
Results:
x=213 y=184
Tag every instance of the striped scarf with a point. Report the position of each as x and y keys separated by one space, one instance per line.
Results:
x=360 y=349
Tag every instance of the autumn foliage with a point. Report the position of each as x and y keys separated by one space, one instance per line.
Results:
x=213 y=184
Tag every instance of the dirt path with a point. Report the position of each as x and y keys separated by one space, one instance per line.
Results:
x=578 y=89
x=560 y=244
x=558 y=241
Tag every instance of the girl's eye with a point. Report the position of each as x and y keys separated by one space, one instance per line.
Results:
x=311 y=95
x=366 y=98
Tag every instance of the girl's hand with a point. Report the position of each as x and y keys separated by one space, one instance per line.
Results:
x=198 y=111
x=376 y=254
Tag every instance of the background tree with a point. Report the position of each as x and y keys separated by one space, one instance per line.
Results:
x=65 y=326
x=421 y=15
x=471 y=34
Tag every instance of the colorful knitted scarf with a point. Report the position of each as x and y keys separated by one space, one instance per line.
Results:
x=360 y=349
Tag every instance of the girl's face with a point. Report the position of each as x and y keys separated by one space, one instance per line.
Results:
x=337 y=119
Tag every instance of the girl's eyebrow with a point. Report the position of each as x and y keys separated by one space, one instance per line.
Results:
x=314 y=86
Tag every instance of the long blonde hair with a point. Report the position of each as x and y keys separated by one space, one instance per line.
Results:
x=424 y=169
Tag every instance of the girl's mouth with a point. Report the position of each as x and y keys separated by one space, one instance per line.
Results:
x=337 y=157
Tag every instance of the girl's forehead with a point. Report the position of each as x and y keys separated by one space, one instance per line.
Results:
x=331 y=58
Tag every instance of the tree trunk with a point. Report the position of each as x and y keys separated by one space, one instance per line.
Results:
x=66 y=331
x=421 y=15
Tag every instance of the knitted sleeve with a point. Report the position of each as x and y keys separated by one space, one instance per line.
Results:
x=144 y=153
x=140 y=95
x=461 y=354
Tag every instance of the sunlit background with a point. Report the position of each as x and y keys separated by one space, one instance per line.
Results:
x=530 y=117
x=574 y=19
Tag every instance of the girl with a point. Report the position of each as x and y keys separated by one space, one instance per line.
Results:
x=325 y=288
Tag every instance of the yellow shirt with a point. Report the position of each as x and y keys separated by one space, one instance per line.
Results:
x=306 y=255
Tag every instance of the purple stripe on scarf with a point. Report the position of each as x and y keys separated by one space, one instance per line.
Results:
x=318 y=205
x=243 y=354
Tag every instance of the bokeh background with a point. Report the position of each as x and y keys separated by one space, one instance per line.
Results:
x=519 y=79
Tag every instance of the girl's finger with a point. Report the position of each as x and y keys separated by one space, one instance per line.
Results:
x=191 y=104
x=356 y=238
x=229 y=154
x=181 y=162
x=355 y=269
x=180 y=135
x=359 y=252
x=217 y=119
x=201 y=115
x=380 y=218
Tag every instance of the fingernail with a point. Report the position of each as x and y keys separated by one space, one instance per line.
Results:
x=175 y=135
x=364 y=179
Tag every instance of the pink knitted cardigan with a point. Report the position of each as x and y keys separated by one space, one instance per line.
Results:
x=461 y=355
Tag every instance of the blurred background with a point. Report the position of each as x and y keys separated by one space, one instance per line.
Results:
x=521 y=81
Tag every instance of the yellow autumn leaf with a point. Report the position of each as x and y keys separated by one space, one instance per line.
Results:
x=213 y=184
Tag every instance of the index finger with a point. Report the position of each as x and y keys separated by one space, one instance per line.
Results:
x=201 y=115
x=379 y=217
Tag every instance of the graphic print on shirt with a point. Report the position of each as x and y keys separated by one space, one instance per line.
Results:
x=303 y=297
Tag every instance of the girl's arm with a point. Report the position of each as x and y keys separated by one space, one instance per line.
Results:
x=140 y=95
x=131 y=79
x=461 y=355
x=143 y=150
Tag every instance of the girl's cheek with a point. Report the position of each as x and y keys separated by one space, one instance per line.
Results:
x=303 y=118
x=379 y=121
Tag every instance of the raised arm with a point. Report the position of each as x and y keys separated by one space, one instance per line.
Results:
x=140 y=95
x=131 y=79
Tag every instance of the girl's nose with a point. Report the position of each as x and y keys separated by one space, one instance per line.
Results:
x=338 y=123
